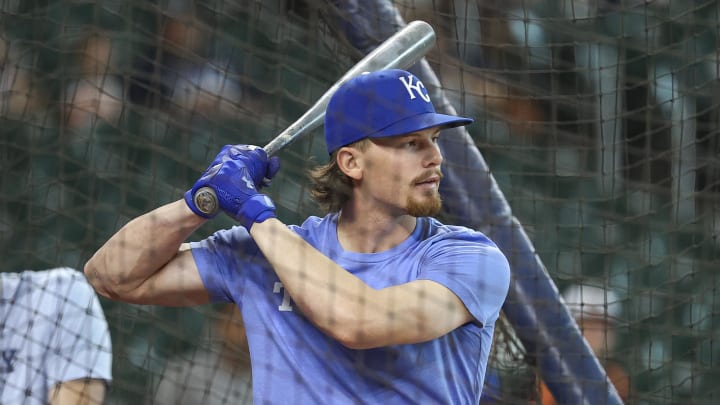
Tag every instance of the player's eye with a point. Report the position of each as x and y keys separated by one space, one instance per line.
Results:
x=412 y=144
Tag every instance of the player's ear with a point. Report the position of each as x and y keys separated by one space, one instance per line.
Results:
x=349 y=161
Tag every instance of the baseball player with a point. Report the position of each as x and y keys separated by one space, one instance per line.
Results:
x=375 y=302
x=54 y=339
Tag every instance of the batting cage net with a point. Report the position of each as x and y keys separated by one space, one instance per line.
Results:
x=597 y=119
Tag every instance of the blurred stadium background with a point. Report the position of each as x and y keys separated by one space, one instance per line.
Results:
x=598 y=119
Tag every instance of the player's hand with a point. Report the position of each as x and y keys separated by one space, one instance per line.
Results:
x=232 y=183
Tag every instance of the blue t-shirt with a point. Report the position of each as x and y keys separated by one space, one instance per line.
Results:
x=293 y=361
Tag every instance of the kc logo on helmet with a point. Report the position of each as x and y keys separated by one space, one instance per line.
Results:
x=416 y=87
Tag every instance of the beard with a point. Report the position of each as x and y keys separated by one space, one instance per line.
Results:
x=431 y=204
x=428 y=207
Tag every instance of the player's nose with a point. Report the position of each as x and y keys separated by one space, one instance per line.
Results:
x=434 y=156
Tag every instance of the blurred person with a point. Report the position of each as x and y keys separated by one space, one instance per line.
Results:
x=209 y=89
x=375 y=302
x=19 y=96
x=194 y=79
x=218 y=373
x=54 y=339
x=98 y=93
x=461 y=62
x=596 y=311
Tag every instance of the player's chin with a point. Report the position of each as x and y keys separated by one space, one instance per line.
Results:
x=427 y=206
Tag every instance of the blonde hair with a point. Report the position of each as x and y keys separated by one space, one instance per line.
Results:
x=331 y=188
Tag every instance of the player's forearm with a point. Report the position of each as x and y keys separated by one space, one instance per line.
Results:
x=333 y=299
x=345 y=307
x=140 y=249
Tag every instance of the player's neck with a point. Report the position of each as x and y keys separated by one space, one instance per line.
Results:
x=372 y=232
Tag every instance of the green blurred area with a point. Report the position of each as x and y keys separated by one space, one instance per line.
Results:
x=660 y=254
x=70 y=177
x=185 y=78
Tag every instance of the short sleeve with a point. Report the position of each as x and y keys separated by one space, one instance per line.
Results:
x=80 y=344
x=473 y=268
x=220 y=260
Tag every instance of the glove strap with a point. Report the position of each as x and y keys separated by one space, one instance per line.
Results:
x=256 y=209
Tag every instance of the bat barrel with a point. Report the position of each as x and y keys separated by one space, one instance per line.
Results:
x=402 y=50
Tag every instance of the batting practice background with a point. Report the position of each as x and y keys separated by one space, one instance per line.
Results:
x=593 y=157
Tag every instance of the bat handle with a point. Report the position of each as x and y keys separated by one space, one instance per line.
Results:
x=206 y=201
x=312 y=119
x=274 y=147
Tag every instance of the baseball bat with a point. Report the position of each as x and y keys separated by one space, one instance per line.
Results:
x=400 y=51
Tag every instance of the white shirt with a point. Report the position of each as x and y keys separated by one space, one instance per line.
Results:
x=52 y=330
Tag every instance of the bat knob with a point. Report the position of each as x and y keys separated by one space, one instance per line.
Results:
x=206 y=201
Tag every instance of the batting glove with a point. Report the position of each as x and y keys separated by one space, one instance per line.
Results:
x=232 y=183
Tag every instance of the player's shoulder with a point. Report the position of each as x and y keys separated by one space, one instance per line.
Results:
x=320 y=232
x=314 y=224
x=435 y=231
x=236 y=235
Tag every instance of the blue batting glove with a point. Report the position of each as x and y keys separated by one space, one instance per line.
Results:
x=232 y=183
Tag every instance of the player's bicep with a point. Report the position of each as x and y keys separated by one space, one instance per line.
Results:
x=178 y=283
x=478 y=274
x=439 y=308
